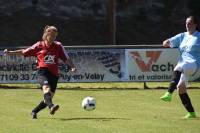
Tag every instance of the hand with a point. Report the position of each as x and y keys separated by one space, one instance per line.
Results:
x=73 y=69
x=6 y=51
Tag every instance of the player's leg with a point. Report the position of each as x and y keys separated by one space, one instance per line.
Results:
x=45 y=79
x=47 y=96
x=42 y=80
x=173 y=84
x=189 y=70
x=53 y=83
x=38 y=108
x=185 y=99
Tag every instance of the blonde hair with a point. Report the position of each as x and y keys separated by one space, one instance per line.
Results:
x=45 y=31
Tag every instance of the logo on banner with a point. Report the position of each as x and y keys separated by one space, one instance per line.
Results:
x=110 y=61
x=145 y=64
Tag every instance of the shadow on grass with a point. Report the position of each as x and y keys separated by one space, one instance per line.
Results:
x=4 y=86
x=119 y=89
x=191 y=119
x=97 y=89
x=11 y=87
x=86 y=118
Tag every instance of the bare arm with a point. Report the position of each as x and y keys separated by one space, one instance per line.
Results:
x=166 y=43
x=13 y=52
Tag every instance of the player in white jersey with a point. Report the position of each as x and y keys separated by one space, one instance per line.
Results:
x=188 y=44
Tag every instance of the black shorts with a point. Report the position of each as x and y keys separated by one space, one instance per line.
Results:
x=45 y=77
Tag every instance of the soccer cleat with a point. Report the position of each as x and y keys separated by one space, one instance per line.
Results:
x=34 y=115
x=54 y=109
x=190 y=115
x=167 y=97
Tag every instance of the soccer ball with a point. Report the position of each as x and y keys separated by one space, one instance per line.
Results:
x=89 y=103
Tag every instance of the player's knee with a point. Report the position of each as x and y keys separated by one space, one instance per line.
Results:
x=46 y=88
x=181 y=88
x=176 y=77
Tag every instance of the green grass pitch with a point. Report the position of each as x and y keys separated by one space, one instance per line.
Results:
x=121 y=108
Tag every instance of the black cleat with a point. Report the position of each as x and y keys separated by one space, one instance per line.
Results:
x=34 y=115
x=54 y=109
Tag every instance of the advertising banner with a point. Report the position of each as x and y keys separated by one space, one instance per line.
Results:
x=150 y=64
x=99 y=65
x=94 y=65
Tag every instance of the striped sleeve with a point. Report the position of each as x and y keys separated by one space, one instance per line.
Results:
x=63 y=53
x=31 y=51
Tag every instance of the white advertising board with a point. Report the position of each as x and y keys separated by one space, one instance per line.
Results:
x=94 y=65
x=150 y=64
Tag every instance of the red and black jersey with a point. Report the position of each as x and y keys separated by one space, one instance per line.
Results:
x=47 y=55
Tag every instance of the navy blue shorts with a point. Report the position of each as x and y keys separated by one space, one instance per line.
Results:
x=45 y=77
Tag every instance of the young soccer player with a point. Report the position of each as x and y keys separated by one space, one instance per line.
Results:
x=48 y=52
x=188 y=44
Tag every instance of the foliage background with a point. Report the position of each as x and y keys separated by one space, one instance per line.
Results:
x=85 y=22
